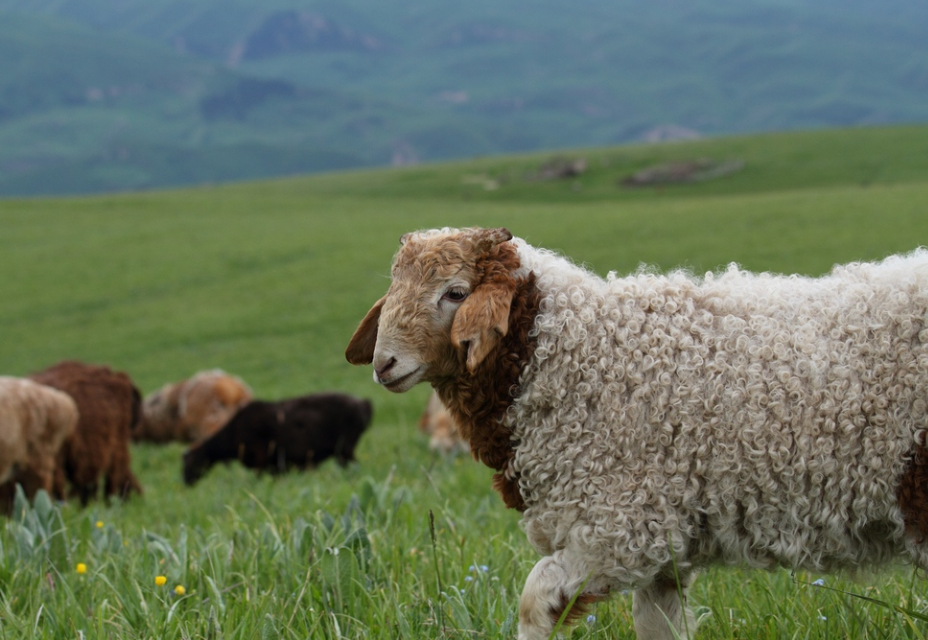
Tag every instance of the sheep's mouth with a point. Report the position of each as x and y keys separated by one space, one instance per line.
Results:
x=404 y=382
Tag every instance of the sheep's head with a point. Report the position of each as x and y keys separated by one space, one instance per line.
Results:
x=195 y=465
x=445 y=311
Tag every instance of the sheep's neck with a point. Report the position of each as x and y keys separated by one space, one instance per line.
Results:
x=478 y=401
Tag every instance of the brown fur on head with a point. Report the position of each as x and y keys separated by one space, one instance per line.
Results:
x=458 y=315
x=450 y=285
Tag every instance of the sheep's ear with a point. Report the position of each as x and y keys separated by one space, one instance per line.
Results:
x=481 y=320
x=361 y=347
x=485 y=239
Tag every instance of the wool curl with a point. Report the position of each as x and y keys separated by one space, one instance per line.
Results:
x=737 y=418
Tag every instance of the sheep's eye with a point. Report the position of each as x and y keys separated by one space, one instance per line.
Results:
x=455 y=295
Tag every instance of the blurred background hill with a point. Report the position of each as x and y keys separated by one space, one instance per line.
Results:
x=100 y=95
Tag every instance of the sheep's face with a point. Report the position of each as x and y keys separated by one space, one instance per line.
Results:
x=195 y=467
x=445 y=310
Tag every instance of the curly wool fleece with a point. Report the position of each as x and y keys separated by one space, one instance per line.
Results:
x=738 y=418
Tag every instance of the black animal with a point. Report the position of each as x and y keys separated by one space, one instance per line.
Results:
x=274 y=436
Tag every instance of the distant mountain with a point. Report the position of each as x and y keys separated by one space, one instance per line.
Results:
x=83 y=111
x=126 y=94
x=297 y=32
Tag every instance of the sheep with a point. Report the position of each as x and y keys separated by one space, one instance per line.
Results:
x=191 y=409
x=299 y=432
x=35 y=420
x=651 y=425
x=109 y=405
x=437 y=422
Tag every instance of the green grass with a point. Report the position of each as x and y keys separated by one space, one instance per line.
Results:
x=268 y=280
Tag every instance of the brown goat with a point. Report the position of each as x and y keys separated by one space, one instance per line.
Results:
x=191 y=409
x=109 y=405
x=35 y=420
x=437 y=421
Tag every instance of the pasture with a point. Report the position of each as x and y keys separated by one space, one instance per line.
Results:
x=268 y=280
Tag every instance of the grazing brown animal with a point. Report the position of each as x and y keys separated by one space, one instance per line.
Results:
x=436 y=421
x=274 y=436
x=109 y=405
x=35 y=420
x=191 y=409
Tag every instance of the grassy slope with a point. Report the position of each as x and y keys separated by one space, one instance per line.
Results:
x=268 y=280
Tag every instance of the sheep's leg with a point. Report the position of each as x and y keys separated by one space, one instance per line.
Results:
x=660 y=612
x=121 y=484
x=548 y=590
x=344 y=453
x=119 y=481
x=85 y=492
x=39 y=474
x=59 y=484
x=7 y=495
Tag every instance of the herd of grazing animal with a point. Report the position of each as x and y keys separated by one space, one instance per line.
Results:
x=67 y=429
x=646 y=426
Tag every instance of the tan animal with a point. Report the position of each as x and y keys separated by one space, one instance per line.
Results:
x=436 y=421
x=109 y=405
x=192 y=409
x=35 y=420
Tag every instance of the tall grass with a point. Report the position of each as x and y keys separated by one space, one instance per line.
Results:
x=268 y=280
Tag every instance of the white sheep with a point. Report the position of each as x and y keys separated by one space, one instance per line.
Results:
x=652 y=425
x=35 y=420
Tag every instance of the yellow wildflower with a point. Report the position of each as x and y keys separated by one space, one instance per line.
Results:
x=160 y=580
x=179 y=590
x=81 y=568
x=99 y=524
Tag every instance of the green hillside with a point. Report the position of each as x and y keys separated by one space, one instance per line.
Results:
x=269 y=279
x=256 y=276
x=97 y=96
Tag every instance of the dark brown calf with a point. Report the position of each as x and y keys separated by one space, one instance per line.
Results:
x=274 y=436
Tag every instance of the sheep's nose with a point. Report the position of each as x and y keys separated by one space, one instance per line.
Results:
x=381 y=370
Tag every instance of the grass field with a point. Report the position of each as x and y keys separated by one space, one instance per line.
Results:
x=268 y=280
